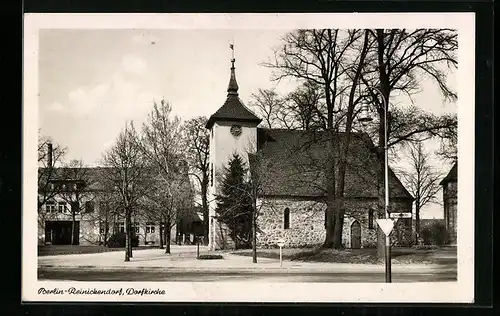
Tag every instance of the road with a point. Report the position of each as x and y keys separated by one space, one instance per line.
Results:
x=167 y=276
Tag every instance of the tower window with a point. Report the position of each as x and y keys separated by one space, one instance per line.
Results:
x=286 y=219
x=211 y=174
x=370 y=219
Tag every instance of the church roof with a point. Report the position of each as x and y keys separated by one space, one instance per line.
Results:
x=451 y=176
x=233 y=109
x=292 y=163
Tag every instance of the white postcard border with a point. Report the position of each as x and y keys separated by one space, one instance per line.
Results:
x=460 y=291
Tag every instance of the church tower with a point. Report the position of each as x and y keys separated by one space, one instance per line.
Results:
x=233 y=129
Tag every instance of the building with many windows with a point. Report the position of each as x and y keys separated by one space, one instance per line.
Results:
x=74 y=200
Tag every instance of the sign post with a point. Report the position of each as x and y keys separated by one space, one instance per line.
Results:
x=281 y=243
x=387 y=224
x=197 y=247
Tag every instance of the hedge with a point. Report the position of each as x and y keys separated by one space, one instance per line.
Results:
x=117 y=240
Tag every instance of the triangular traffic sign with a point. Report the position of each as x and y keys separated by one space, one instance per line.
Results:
x=386 y=224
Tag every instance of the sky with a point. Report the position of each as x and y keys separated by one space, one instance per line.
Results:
x=92 y=81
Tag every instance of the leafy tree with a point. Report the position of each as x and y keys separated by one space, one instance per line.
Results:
x=196 y=138
x=127 y=173
x=161 y=145
x=234 y=209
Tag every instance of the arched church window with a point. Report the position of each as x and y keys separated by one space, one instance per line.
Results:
x=286 y=219
x=370 y=219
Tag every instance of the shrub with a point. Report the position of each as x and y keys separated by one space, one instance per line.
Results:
x=434 y=234
x=117 y=240
x=209 y=257
x=402 y=236
x=371 y=244
x=424 y=247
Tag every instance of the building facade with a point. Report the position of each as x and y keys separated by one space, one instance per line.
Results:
x=449 y=184
x=82 y=206
x=290 y=165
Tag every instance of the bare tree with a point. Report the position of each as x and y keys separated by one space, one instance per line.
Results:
x=421 y=180
x=448 y=150
x=393 y=60
x=332 y=60
x=399 y=61
x=307 y=107
x=78 y=191
x=127 y=173
x=196 y=138
x=268 y=105
x=161 y=144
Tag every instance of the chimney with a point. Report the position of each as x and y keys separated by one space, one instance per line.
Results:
x=49 y=155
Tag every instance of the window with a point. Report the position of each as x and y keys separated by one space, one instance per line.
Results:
x=135 y=228
x=121 y=227
x=50 y=207
x=89 y=206
x=75 y=207
x=286 y=219
x=104 y=228
x=61 y=207
x=150 y=228
x=370 y=219
x=211 y=174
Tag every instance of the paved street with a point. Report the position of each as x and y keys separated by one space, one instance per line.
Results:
x=162 y=276
x=182 y=265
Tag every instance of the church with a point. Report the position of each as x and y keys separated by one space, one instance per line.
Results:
x=292 y=194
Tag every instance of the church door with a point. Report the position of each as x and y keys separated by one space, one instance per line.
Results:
x=355 y=235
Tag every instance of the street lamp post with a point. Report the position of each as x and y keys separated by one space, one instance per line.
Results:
x=365 y=118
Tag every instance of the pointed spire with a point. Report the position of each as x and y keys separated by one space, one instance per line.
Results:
x=232 y=89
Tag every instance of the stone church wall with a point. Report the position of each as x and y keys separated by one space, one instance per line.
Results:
x=307 y=222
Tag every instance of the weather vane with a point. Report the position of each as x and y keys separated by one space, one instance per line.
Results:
x=231 y=46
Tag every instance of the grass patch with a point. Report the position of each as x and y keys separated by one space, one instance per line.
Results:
x=366 y=256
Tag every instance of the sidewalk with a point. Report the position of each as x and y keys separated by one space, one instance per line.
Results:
x=183 y=259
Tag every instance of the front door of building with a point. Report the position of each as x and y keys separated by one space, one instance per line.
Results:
x=356 y=235
x=59 y=232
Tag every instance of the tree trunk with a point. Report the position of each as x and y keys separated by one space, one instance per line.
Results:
x=204 y=203
x=168 y=228
x=337 y=228
x=106 y=225
x=330 y=193
x=385 y=89
x=417 y=221
x=73 y=224
x=254 y=238
x=161 y=236
x=127 y=236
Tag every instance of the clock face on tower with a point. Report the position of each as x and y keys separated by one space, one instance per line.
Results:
x=236 y=130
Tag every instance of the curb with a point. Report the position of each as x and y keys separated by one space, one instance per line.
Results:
x=246 y=270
